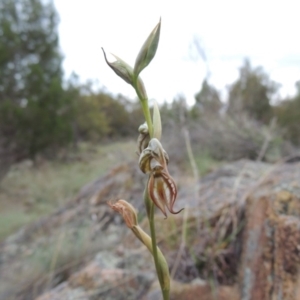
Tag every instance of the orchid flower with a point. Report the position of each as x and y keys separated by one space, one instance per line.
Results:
x=161 y=187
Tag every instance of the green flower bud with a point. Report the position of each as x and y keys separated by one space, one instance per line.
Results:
x=144 y=128
x=147 y=51
x=121 y=68
x=156 y=122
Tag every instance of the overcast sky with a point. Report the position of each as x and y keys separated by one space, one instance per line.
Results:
x=267 y=32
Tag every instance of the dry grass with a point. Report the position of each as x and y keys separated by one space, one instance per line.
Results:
x=29 y=192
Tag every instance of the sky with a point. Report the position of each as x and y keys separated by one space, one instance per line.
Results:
x=266 y=32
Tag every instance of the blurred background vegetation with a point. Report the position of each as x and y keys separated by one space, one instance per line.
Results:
x=50 y=122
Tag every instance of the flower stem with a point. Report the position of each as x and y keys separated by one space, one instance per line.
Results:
x=147 y=115
x=161 y=265
x=145 y=107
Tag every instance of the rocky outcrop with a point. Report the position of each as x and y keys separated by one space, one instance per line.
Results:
x=241 y=241
x=270 y=261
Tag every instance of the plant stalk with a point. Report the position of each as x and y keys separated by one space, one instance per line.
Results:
x=165 y=286
x=161 y=265
x=145 y=108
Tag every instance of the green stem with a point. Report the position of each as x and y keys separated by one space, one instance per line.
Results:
x=165 y=289
x=145 y=107
x=147 y=115
x=161 y=265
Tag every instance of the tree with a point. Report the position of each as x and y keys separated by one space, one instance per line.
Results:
x=34 y=108
x=252 y=93
x=100 y=115
x=288 y=115
x=208 y=99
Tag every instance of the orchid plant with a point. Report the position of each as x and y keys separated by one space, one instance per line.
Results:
x=161 y=190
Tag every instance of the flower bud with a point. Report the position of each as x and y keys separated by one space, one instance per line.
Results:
x=121 y=68
x=147 y=51
x=127 y=211
x=143 y=138
x=143 y=128
x=156 y=122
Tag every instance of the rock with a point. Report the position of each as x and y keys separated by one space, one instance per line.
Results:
x=96 y=281
x=270 y=261
x=43 y=254
x=195 y=290
x=242 y=241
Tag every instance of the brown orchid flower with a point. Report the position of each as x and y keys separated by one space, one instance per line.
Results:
x=126 y=210
x=162 y=189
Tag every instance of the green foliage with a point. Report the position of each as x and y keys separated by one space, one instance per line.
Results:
x=205 y=162
x=91 y=121
x=207 y=99
x=29 y=192
x=174 y=112
x=288 y=116
x=252 y=93
x=100 y=115
x=34 y=108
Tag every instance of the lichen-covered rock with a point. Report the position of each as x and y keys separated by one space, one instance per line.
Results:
x=44 y=254
x=242 y=239
x=93 y=282
x=270 y=264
